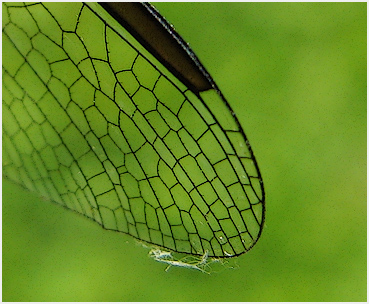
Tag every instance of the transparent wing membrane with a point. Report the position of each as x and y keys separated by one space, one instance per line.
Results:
x=93 y=122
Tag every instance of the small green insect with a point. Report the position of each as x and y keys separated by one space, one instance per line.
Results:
x=108 y=112
x=167 y=258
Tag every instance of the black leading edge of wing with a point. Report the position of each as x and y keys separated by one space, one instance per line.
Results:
x=151 y=29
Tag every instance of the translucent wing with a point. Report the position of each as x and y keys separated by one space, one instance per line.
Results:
x=94 y=122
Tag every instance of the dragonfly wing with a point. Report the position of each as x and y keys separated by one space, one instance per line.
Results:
x=94 y=122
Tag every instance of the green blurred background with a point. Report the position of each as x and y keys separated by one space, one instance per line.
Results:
x=295 y=74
